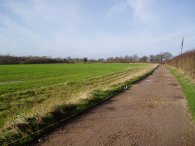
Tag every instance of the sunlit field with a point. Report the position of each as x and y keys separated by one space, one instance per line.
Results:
x=36 y=90
x=21 y=77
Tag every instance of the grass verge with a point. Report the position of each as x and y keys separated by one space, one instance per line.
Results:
x=32 y=127
x=188 y=88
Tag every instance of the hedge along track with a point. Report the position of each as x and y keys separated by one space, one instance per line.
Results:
x=93 y=84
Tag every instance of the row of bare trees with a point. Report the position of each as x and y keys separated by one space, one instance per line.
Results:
x=7 y=59
x=184 y=62
x=151 y=58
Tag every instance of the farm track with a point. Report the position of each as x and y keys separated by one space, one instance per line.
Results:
x=152 y=112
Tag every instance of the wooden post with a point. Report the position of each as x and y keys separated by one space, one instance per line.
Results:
x=182 y=45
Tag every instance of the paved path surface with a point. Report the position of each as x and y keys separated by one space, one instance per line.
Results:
x=151 y=113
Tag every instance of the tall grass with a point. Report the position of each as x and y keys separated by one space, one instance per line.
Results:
x=184 y=62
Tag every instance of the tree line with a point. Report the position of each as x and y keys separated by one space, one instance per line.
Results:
x=144 y=59
x=8 y=59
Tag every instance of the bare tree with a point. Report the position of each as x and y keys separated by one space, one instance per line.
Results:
x=143 y=59
x=85 y=59
x=135 y=58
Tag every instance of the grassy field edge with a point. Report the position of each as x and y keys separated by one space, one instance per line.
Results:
x=187 y=86
x=62 y=113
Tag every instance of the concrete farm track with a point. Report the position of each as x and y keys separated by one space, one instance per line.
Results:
x=151 y=113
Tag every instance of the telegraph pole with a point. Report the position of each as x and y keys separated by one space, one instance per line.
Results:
x=182 y=45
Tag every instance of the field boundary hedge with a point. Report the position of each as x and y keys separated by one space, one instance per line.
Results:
x=68 y=112
x=184 y=62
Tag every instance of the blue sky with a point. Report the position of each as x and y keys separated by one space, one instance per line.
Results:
x=95 y=28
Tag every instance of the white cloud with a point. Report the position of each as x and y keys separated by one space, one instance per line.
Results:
x=142 y=10
x=117 y=8
x=38 y=25
x=77 y=28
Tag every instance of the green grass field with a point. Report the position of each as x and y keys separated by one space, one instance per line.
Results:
x=21 y=77
x=188 y=87
x=35 y=91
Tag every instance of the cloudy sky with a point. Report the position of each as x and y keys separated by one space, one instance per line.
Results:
x=95 y=28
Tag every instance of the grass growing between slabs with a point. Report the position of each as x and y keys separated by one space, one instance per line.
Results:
x=188 y=87
x=26 y=111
